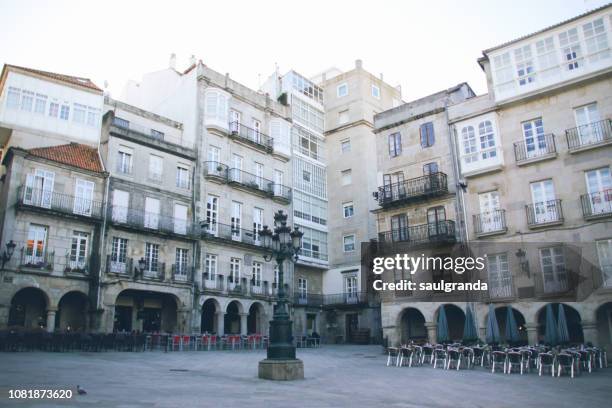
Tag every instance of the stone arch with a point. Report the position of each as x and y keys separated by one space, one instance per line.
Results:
x=209 y=315
x=603 y=322
x=501 y=315
x=73 y=311
x=455 y=317
x=29 y=307
x=256 y=318
x=233 y=312
x=411 y=324
x=146 y=310
x=573 y=317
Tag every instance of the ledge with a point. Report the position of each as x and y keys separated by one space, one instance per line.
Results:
x=485 y=170
x=590 y=146
x=545 y=224
x=537 y=159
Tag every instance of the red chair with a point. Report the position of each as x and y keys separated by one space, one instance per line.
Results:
x=174 y=343
x=185 y=342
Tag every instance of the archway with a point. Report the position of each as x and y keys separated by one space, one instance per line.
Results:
x=145 y=311
x=232 y=317
x=501 y=314
x=255 y=318
x=574 y=322
x=603 y=316
x=412 y=326
x=72 y=312
x=209 y=316
x=29 y=309
x=456 y=320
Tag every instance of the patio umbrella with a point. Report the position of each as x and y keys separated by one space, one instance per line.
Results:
x=512 y=334
x=492 y=327
x=442 y=326
x=470 y=334
x=562 y=326
x=551 y=336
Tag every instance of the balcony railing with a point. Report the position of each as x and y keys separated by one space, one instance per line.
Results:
x=346 y=298
x=280 y=192
x=597 y=204
x=589 y=135
x=490 y=222
x=212 y=282
x=544 y=213
x=152 y=222
x=249 y=180
x=226 y=232
x=310 y=253
x=442 y=231
x=504 y=291
x=120 y=266
x=123 y=126
x=414 y=189
x=63 y=203
x=36 y=257
x=251 y=136
x=75 y=264
x=307 y=299
x=538 y=147
x=182 y=272
x=155 y=271
x=236 y=286
x=215 y=170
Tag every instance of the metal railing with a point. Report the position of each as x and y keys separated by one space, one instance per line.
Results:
x=182 y=272
x=539 y=146
x=597 y=204
x=151 y=221
x=36 y=257
x=442 y=231
x=280 y=191
x=215 y=169
x=121 y=267
x=64 y=203
x=346 y=298
x=123 y=126
x=236 y=286
x=214 y=282
x=75 y=265
x=412 y=189
x=249 y=180
x=309 y=253
x=544 y=212
x=251 y=136
x=490 y=222
x=155 y=271
x=589 y=134
x=230 y=233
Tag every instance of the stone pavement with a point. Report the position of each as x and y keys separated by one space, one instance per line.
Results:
x=336 y=376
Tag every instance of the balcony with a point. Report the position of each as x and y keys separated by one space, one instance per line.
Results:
x=252 y=137
x=182 y=273
x=154 y=271
x=490 y=223
x=538 y=149
x=441 y=232
x=597 y=204
x=482 y=162
x=212 y=282
x=307 y=299
x=36 y=258
x=126 y=269
x=544 y=213
x=259 y=185
x=151 y=137
x=215 y=171
x=152 y=222
x=76 y=266
x=345 y=299
x=230 y=234
x=419 y=188
x=236 y=286
x=589 y=136
x=57 y=203
x=120 y=267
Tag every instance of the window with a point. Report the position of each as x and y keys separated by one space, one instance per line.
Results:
x=40 y=106
x=27 y=100
x=375 y=92
x=216 y=104
x=500 y=277
x=156 y=134
x=151 y=216
x=53 y=109
x=439 y=272
x=596 y=40
x=524 y=65
x=343 y=117
x=256 y=277
x=151 y=257
x=307 y=143
x=212 y=214
x=552 y=261
x=345 y=145
x=342 y=90
x=351 y=286
x=395 y=144
x=258 y=169
x=210 y=267
x=599 y=191
x=78 y=251
x=487 y=139
x=39 y=188
x=235 y=120
x=303 y=289
x=180 y=218
x=399 y=227
x=92 y=116
x=306 y=176
x=214 y=156
x=182 y=177
x=547 y=56
x=430 y=168
x=481 y=146
x=545 y=208
x=180 y=263
x=348 y=210
x=426 y=131
x=119 y=255
x=234 y=276
x=236 y=221
x=156 y=166
x=309 y=208
x=604 y=253
x=64 y=112
x=314 y=243
x=349 y=243
x=13 y=96
x=346 y=177
x=124 y=161
x=236 y=175
x=436 y=224
x=307 y=115
x=589 y=130
x=535 y=142
x=36 y=245
x=257 y=223
x=490 y=217
x=570 y=49
x=120 y=122
x=78 y=115
x=306 y=87
x=121 y=204
x=276 y=272
x=83 y=196
x=503 y=71
x=256 y=130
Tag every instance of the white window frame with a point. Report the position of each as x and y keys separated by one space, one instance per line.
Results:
x=156 y=167
x=344 y=243
x=375 y=91
x=342 y=90
x=348 y=207
x=210 y=266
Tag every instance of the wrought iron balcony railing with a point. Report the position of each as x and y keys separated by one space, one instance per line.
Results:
x=589 y=135
x=259 y=184
x=152 y=222
x=36 y=256
x=249 y=180
x=124 y=127
x=212 y=282
x=442 y=231
x=76 y=264
x=214 y=231
x=251 y=136
x=153 y=271
x=490 y=222
x=215 y=169
x=182 y=272
x=346 y=298
x=411 y=190
x=538 y=147
x=58 y=202
x=544 y=213
x=597 y=204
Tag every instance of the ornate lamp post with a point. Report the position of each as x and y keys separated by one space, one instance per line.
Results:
x=8 y=253
x=283 y=244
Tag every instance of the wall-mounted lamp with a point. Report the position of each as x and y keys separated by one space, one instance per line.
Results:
x=8 y=252
x=523 y=262
x=142 y=264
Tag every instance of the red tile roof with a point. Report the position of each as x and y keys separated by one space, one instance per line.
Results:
x=80 y=81
x=73 y=154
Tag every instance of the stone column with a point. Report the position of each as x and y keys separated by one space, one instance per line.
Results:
x=589 y=329
x=532 y=333
x=432 y=332
x=51 y=319
x=220 y=323
x=243 y=323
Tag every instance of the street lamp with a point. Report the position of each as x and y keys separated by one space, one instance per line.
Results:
x=8 y=253
x=282 y=244
x=142 y=264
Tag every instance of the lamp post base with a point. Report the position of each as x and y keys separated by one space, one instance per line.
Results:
x=281 y=370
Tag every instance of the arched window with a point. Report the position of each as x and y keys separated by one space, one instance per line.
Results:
x=469 y=144
x=487 y=139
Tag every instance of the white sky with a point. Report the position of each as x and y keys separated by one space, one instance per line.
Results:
x=424 y=46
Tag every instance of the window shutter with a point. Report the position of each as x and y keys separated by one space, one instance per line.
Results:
x=391 y=145
x=431 y=136
x=423 y=133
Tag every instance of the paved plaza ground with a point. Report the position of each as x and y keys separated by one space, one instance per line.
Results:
x=336 y=376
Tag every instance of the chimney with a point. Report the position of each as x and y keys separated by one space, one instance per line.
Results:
x=172 y=63
x=192 y=60
x=381 y=76
x=358 y=64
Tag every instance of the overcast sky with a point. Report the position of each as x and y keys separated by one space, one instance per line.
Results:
x=424 y=46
